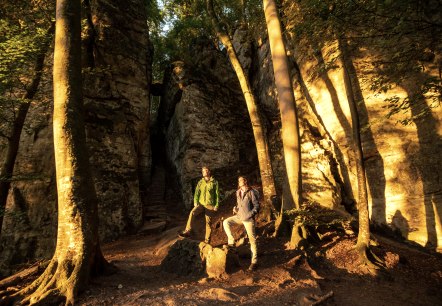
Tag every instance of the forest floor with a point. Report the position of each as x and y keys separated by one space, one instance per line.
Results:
x=412 y=277
x=331 y=276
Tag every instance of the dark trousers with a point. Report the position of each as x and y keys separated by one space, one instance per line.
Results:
x=197 y=210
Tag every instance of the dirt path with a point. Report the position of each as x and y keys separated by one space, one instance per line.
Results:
x=333 y=274
x=413 y=277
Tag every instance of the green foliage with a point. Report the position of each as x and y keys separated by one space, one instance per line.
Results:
x=180 y=23
x=312 y=214
x=183 y=23
x=430 y=91
x=18 y=47
x=23 y=32
x=154 y=15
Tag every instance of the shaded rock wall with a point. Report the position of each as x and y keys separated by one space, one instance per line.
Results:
x=30 y=223
x=204 y=120
x=117 y=113
x=116 y=98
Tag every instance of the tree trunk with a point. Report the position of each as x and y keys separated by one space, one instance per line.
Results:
x=77 y=252
x=364 y=221
x=13 y=140
x=262 y=148
x=287 y=106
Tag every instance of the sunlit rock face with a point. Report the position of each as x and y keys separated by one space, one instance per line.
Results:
x=205 y=123
x=116 y=98
x=320 y=176
x=412 y=165
x=403 y=163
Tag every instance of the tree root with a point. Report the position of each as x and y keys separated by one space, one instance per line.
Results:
x=369 y=259
x=282 y=227
x=58 y=283
x=311 y=270
x=20 y=276
x=298 y=239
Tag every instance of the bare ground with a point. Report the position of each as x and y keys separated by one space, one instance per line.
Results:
x=331 y=276
x=412 y=277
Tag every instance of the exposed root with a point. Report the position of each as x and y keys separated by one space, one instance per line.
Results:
x=6 y=300
x=369 y=259
x=298 y=239
x=22 y=275
x=281 y=226
x=50 y=269
x=311 y=270
x=58 y=283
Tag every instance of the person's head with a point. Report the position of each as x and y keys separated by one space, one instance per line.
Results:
x=242 y=182
x=205 y=171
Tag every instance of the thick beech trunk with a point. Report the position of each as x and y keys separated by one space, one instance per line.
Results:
x=262 y=148
x=77 y=252
x=289 y=117
x=287 y=106
x=13 y=140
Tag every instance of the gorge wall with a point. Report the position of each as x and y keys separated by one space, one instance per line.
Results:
x=204 y=122
x=204 y=119
x=403 y=163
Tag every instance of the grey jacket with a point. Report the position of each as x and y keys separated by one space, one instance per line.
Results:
x=247 y=206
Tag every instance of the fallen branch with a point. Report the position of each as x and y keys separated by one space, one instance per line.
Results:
x=321 y=299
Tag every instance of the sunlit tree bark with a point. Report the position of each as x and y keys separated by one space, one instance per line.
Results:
x=13 y=140
x=262 y=148
x=287 y=106
x=363 y=242
x=77 y=252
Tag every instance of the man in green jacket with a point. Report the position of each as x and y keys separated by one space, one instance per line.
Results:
x=205 y=200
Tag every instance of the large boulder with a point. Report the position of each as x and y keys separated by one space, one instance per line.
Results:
x=190 y=257
x=186 y=257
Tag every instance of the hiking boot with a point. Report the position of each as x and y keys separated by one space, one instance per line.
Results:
x=184 y=234
x=253 y=267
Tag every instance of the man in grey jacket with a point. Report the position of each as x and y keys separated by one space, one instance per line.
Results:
x=247 y=206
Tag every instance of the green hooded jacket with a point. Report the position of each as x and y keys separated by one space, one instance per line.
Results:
x=206 y=193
